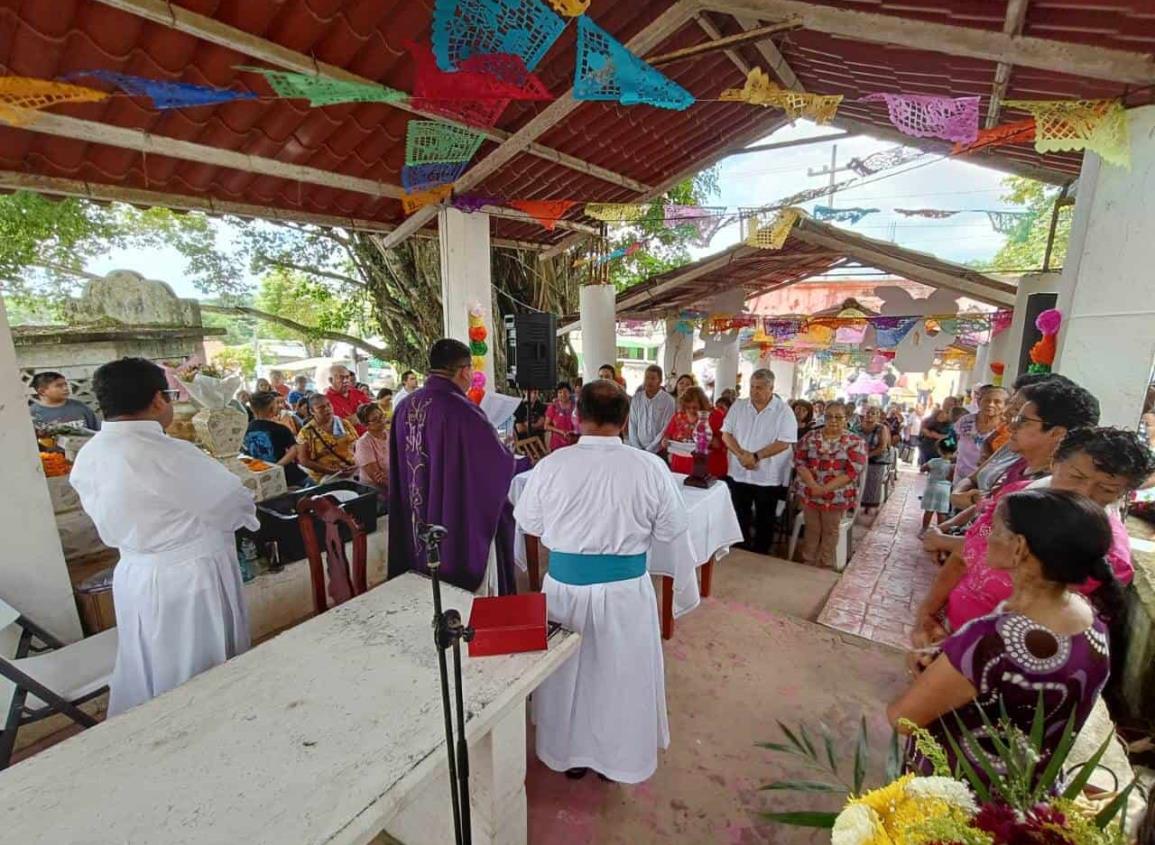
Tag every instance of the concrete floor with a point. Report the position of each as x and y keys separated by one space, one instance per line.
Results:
x=743 y=660
x=889 y=573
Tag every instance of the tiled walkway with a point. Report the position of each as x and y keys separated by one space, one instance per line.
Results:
x=888 y=574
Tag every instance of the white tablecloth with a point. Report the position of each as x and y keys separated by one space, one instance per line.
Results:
x=713 y=529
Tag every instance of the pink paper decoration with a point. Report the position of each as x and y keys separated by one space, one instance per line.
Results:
x=928 y=116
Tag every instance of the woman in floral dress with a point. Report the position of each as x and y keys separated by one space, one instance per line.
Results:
x=828 y=462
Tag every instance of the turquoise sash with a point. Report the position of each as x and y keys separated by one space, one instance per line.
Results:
x=580 y=570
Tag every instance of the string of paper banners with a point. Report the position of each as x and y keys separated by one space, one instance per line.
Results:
x=482 y=57
x=853 y=337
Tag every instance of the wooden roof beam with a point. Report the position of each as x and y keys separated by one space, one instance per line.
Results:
x=1013 y=21
x=207 y=29
x=860 y=248
x=98 y=192
x=657 y=31
x=1045 y=54
x=92 y=132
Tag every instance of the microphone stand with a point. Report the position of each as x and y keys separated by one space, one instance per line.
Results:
x=448 y=631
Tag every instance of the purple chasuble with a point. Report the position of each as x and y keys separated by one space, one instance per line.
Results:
x=447 y=467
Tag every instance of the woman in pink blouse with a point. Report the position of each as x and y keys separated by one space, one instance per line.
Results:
x=371 y=451
x=828 y=462
x=559 y=419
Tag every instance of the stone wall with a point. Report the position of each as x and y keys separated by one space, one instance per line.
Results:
x=121 y=315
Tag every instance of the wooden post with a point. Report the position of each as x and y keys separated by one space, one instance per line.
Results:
x=707 y=577
x=533 y=562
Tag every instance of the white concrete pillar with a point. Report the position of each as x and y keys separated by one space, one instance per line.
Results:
x=1007 y=346
x=726 y=369
x=1107 y=341
x=33 y=575
x=677 y=351
x=599 y=328
x=465 y=277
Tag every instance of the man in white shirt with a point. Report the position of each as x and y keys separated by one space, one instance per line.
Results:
x=172 y=512
x=650 y=412
x=408 y=385
x=759 y=434
x=598 y=507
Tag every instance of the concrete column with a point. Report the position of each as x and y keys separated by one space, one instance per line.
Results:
x=726 y=372
x=465 y=277
x=677 y=351
x=33 y=575
x=599 y=328
x=1107 y=342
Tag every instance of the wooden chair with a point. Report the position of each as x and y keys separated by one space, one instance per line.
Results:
x=343 y=585
x=38 y=681
x=533 y=448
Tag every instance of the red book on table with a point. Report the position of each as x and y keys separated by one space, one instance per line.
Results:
x=508 y=624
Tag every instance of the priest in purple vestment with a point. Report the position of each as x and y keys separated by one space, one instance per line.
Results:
x=448 y=467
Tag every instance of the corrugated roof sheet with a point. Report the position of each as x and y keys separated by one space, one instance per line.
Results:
x=761 y=271
x=49 y=39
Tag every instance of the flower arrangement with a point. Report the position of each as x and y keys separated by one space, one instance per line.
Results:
x=1019 y=800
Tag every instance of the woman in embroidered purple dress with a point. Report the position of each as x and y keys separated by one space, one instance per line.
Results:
x=1045 y=639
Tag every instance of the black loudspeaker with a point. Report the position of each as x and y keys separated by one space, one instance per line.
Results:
x=531 y=350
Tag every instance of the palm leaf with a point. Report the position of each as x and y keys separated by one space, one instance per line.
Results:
x=807 y=742
x=777 y=746
x=1055 y=764
x=804 y=786
x=977 y=783
x=894 y=758
x=1038 y=727
x=1087 y=769
x=1118 y=804
x=861 y=757
x=997 y=783
x=803 y=819
x=828 y=742
x=791 y=736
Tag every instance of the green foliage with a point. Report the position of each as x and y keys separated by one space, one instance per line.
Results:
x=233 y=358
x=1027 y=252
x=41 y=239
x=293 y=294
x=240 y=329
x=1009 y=771
x=663 y=248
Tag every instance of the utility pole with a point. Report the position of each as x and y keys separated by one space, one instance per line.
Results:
x=831 y=171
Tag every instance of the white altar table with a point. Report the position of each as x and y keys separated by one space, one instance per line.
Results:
x=328 y=733
x=713 y=529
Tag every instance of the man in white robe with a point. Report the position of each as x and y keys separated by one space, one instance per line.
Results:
x=598 y=507
x=172 y=512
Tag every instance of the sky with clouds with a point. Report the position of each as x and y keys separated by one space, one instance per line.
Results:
x=762 y=178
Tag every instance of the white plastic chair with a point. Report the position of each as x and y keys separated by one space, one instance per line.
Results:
x=845 y=528
x=39 y=681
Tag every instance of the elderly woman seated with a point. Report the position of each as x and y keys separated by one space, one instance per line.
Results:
x=326 y=442
x=1045 y=643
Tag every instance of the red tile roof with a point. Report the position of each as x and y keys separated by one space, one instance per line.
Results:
x=48 y=39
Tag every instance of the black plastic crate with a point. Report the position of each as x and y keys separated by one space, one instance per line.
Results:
x=278 y=517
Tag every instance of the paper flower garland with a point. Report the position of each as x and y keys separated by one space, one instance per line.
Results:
x=477 y=348
x=998 y=368
x=1043 y=352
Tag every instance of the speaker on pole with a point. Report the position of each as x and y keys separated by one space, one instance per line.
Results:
x=531 y=350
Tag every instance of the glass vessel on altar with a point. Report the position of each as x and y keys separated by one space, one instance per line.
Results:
x=700 y=475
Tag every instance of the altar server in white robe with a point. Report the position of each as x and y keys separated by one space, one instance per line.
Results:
x=172 y=512
x=599 y=507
